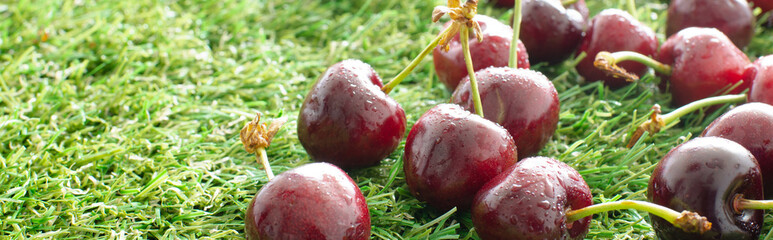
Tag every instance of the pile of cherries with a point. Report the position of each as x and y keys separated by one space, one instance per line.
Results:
x=478 y=152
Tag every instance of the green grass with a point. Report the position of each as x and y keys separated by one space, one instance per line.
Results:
x=121 y=118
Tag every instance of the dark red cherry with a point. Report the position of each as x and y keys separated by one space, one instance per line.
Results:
x=450 y=153
x=578 y=6
x=704 y=63
x=313 y=201
x=523 y=101
x=347 y=120
x=530 y=201
x=615 y=30
x=733 y=17
x=549 y=31
x=750 y=125
x=705 y=175
x=761 y=89
x=493 y=51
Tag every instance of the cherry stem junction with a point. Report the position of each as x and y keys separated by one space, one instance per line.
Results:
x=415 y=62
x=607 y=62
x=257 y=136
x=687 y=221
x=461 y=15
x=517 y=18
x=471 y=71
x=657 y=121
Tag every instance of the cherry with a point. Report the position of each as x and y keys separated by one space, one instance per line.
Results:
x=704 y=62
x=761 y=89
x=578 y=6
x=523 y=101
x=450 y=153
x=698 y=63
x=492 y=51
x=347 y=120
x=733 y=17
x=750 y=125
x=615 y=30
x=708 y=175
x=313 y=201
x=549 y=31
x=530 y=200
x=542 y=198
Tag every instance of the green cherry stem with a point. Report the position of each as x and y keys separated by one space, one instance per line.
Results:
x=471 y=71
x=632 y=9
x=687 y=221
x=657 y=121
x=706 y=102
x=415 y=62
x=608 y=62
x=740 y=204
x=517 y=18
x=262 y=157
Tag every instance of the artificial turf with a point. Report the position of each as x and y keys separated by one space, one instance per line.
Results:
x=121 y=119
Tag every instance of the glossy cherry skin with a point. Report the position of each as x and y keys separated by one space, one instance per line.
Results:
x=450 y=153
x=761 y=89
x=347 y=120
x=733 y=17
x=549 y=31
x=530 y=201
x=703 y=62
x=493 y=51
x=578 y=6
x=523 y=101
x=704 y=175
x=750 y=125
x=615 y=30
x=313 y=201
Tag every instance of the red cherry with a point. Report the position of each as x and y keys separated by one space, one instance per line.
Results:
x=615 y=30
x=704 y=62
x=313 y=201
x=733 y=17
x=493 y=51
x=347 y=120
x=450 y=153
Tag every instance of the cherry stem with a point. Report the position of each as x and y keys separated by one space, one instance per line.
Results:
x=646 y=60
x=608 y=62
x=740 y=204
x=706 y=102
x=471 y=71
x=517 y=18
x=658 y=121
x=415 y=62
x=632 y=9
x=687 y=221
x=262 y=157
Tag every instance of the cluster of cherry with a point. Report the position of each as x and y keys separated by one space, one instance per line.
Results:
x=477 y=153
